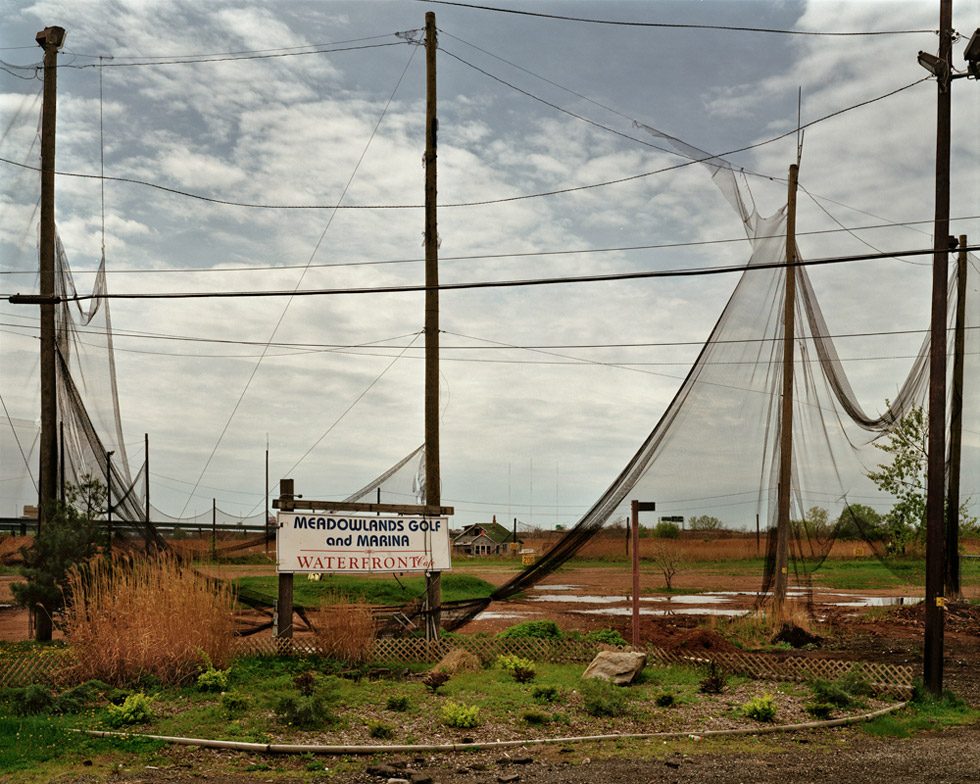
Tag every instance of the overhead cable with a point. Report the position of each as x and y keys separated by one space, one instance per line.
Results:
x=21 y=299
x=675 y=25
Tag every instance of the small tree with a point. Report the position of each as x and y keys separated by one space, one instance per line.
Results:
x=667 y=557
x=69 y=535
x=858 y=521
x=704 y=523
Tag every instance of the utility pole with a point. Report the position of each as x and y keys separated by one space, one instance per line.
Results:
x=284 y=604
x=108 y=496
x=147 y=536
x=785 y=489
x=433 y=490
x=953 y=591
x=932 y=672
x=51 y=39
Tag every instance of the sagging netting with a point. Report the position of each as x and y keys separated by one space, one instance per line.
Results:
x=715 y=448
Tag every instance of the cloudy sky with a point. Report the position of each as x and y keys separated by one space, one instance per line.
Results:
x=322 y=103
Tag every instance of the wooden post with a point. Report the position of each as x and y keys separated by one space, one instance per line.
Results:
x=433 y=492
x=214 y=530
x=265 y=493
x=284 y=616
x=932 y=659
x=51 y=40
x=785 y=489
x=147 y=535
x=61 y=461
x=635 y=528
x=108 y=495
x=953 y=591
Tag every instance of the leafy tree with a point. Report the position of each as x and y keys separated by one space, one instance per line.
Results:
x=858 y=521
x=69 y=535
x=905 y=479
x=704 y=523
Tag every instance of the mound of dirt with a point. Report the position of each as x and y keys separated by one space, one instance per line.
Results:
x=699 y=641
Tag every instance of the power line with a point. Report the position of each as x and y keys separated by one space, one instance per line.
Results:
x=240 y=51
x=484 y=202
x=673 y=25
x=237 y=57
x=21 y=299
x=510 y=254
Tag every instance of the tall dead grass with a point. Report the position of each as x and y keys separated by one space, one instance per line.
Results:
x=133 y=616
x=345 y=630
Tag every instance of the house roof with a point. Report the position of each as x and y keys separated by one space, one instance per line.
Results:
x=493 y=531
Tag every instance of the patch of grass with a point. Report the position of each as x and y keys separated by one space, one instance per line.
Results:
x=602 y=698
x=310 y=594
x=923 y=712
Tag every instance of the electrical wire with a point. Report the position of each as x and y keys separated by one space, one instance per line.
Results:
x=674 y=25
x=485 y=284
x=237 y=58
x=484 y=202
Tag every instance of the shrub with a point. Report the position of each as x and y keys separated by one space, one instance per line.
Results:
x=819 y=710
x=664 y=530
x=606 y=637
x=305 y=682
x=522 y=670
x=760 y=708
x=27 y=700
x=136 y=616
x=86 y=695
x=855 y=682
x=234 y=704
x=602 y=698
x=345 y=631
x=314 y=710
x=461 y=716
x=399 y=703
x=539 y=630
x=134 y=710
x=535 y=717
x=380 y=730
x=545 y=694
x=714 y=681
x=665 y=700
x=211 y=679
x=830 y=694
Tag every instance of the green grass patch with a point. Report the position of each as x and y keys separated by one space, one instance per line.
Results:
x=924 y=712
x=384 y=591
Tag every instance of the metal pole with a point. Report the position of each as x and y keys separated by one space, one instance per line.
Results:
x=932 y=670
x=51 y=40
x=635 y=526
x=433 y=480
x=785 y=487
x=956 y=433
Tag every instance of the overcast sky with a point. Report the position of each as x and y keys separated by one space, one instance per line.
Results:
x=533 y=433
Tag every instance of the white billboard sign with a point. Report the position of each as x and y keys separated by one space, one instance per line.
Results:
x=328 y=542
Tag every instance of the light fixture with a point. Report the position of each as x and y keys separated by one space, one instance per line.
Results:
x=933 y=64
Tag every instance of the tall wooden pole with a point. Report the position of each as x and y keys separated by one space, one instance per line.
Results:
x=932 y=670
x=785 y=489
x=284 y=606
x=433 y=493
x=952 y=576
x=635 y=603
x=147 y=536
x=50 y=39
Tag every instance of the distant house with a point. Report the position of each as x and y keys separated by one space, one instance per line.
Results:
x=482 y=539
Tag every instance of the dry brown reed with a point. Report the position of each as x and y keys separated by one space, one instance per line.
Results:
x=345 y=630
x=134 y=616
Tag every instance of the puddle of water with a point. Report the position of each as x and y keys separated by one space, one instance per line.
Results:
x=702 y=598
x=877 y=601
x=679 y=611
x=579 y=598
x=556 y=587
x=498 y=615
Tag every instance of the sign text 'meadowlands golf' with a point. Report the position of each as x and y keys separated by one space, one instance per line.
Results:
x=360 y=543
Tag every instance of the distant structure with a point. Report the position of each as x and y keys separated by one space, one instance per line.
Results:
x=483 y=539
